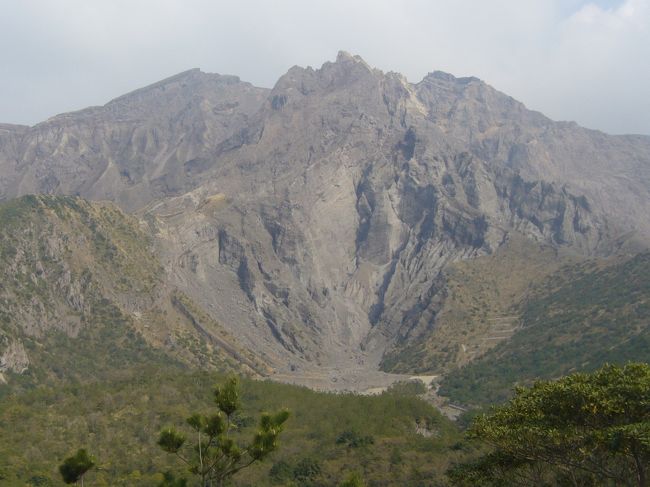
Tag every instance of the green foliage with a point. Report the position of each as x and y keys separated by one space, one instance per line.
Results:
x=227 y=397
x=118 y=417
x=352 y=439
x=495 y=470
x=216 y=457
x=171 y=441
x=75 y=467
x=281 y=472
x=353 y=480
x=39 y=481
x=410 y=387
x=578 y=320
x=307 y=470
x=170 y=480
x=587 y=429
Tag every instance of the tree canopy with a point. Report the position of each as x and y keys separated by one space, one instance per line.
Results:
x=75 y=467
x=583 y=429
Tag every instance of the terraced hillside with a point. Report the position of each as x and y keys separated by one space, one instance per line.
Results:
x=580 y=317
x=478 y=307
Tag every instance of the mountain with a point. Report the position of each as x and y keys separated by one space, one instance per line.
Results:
x=139 y=146
x=322 y=222
x=578 y=318
x=83 y=297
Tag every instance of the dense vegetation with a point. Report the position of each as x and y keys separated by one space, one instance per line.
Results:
x=580 y=318
x=581 y=430
x=327 y=438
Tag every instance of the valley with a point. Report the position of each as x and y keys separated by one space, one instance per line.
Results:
x=346 y=231
x=343 y=222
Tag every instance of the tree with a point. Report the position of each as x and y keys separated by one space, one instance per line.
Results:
x=75 y=467
x=583 y=429
x=216 y=456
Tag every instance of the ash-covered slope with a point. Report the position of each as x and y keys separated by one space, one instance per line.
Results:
x=314 y=219
x=146 y=144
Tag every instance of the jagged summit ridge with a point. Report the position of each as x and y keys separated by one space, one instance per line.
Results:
x=314 y=219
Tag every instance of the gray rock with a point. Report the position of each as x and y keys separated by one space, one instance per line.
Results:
x=313 y=220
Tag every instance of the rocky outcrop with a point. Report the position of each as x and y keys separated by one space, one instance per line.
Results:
x=13 y=357
x=313 y=220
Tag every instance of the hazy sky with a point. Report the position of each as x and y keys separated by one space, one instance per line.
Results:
x=582 y=60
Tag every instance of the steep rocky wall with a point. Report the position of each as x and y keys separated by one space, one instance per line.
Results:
x=314 y=220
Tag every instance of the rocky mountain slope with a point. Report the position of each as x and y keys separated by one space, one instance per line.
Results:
x=83 y=296
x=146 y=144
x=315 y=221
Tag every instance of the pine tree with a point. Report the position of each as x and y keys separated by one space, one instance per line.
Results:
x=216 y=456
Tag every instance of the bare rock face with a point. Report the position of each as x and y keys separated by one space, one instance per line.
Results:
x=13 y=358
x=146 y=144
x=313 y=220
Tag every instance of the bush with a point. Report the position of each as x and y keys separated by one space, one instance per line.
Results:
x=352 y=439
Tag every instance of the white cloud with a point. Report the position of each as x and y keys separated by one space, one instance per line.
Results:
x=572 y=59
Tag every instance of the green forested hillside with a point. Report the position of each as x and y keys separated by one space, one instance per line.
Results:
x=67 y=268
x=83 y=297
x=392 y=439
x=583 y=316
